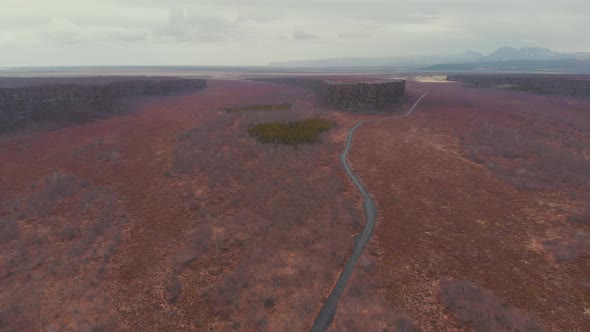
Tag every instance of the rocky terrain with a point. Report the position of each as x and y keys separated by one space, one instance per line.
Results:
x=545 y=84
x=69 y=101
x=363 y=95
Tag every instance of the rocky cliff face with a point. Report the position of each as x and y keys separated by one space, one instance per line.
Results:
x=72 y=103
x=566 y=86
x=363 y=96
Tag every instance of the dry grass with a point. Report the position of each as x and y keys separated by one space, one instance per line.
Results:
x=65 y=232
x=534 y=161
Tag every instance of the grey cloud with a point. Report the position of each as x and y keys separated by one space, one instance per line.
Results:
x=185 y=26
x=23 y=22
x=395 y=19
x=61 y=31
x=303 y=35
x=380 y=28
x=353 y=35
x=257 y=18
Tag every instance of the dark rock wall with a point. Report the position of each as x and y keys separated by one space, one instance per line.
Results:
x=360 y=96
x=69 y=103
x=567 y=86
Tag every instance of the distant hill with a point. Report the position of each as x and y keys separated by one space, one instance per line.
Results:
x=532 y=53
x=526 y=53
x=470 y=55
x=400 y=61
x=463 y=59
x=573 y=66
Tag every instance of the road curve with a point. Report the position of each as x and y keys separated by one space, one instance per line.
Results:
x=326 y=314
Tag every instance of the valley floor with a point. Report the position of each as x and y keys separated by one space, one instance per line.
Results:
x=173 y=218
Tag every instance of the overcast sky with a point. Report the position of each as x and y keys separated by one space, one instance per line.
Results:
x=256 y=32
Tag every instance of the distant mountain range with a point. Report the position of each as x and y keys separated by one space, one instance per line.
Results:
x=504 y=58
x=572 y=66
x=531 y=53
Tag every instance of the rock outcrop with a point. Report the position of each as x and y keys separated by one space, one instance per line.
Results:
x=363 y=95
x=545 y=84
x=73 y=103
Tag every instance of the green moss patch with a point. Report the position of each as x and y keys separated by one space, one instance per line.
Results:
x=292 y=133
x=269 y=107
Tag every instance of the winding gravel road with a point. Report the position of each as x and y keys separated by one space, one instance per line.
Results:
x=326 y=314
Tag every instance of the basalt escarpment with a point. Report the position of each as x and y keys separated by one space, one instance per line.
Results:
x=74 y=103
x=544 y=84
x=363 y=95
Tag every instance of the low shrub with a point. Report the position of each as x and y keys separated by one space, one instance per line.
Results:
x=292 y=133
x=8 y=229
x=174 y=289
x=66 y=233
x=581 y=217
x=269 y=303
x=568 y=247
x=111 y=155
x=51 y=191
x=404 y=324
x=481 y=310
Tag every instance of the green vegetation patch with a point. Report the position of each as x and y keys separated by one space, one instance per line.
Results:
x=291 y=133
x=530 y=89
x=269 y=107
